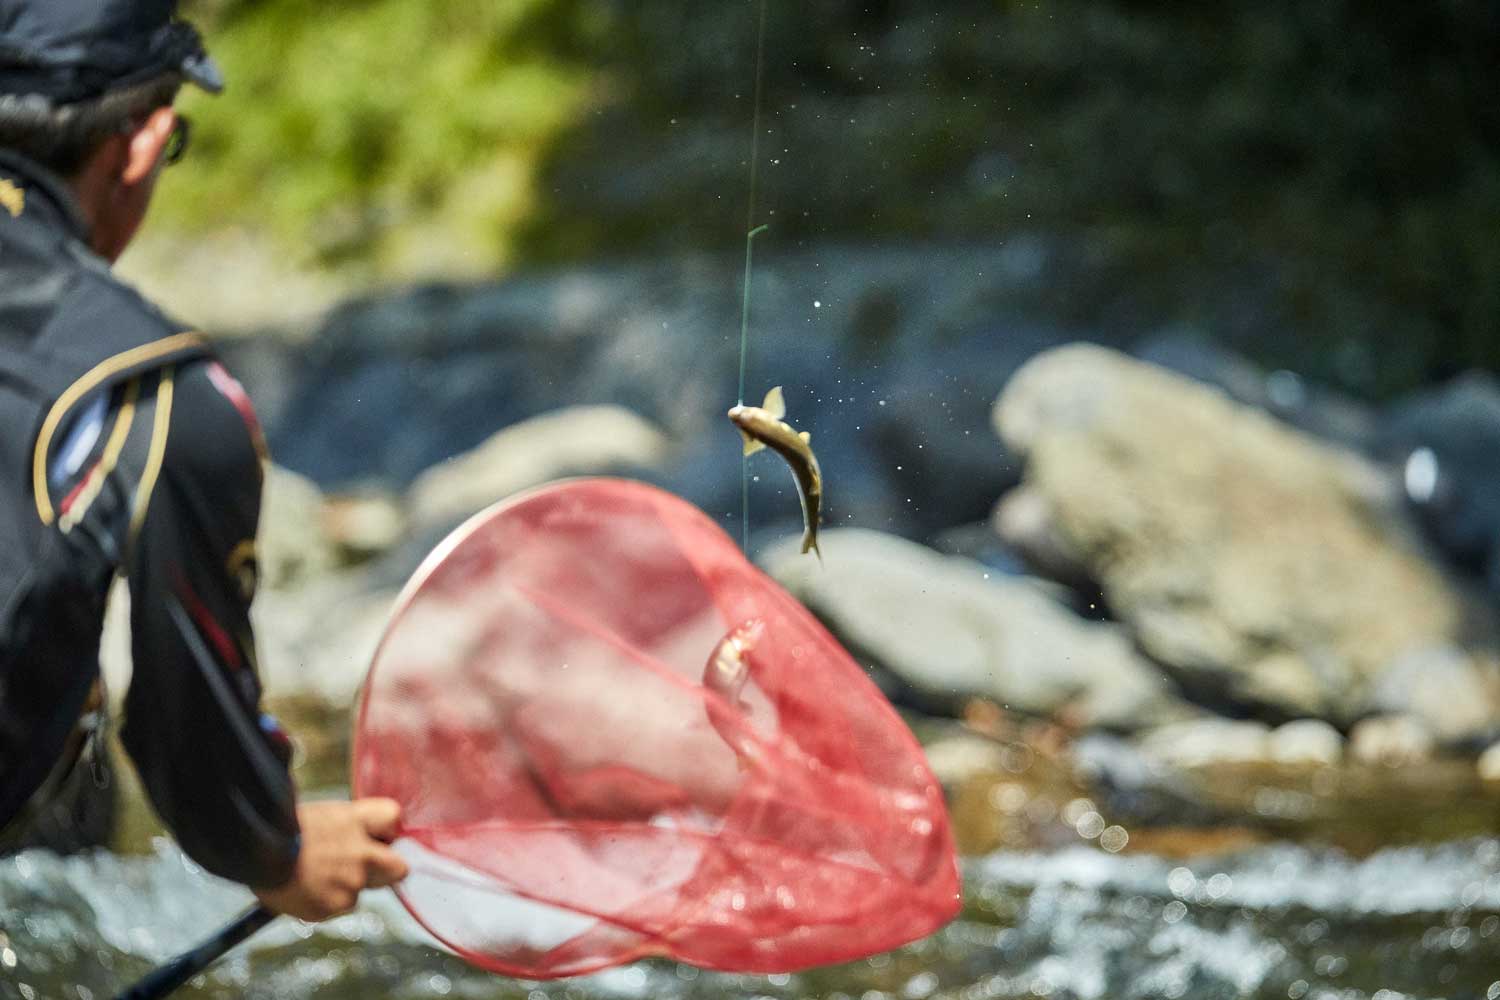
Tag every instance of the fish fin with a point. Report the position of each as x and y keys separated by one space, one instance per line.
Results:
x=806 y=437
x=751 y=445
x=810 y=544
x=775 y=403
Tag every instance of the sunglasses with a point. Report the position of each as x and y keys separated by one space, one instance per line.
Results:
x=177 y=141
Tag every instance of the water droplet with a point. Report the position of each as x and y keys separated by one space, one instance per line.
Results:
x=1181 y=882
x=920 y=986
x=1090 y=825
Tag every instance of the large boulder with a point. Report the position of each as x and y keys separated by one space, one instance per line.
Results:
x=1447 y=440
x=318 y=641
x=950 y=629
x=576 y=441
x=1252 y=561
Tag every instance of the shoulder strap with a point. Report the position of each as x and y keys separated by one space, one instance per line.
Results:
x=107 y=373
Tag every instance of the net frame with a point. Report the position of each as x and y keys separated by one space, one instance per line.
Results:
x=693 y=532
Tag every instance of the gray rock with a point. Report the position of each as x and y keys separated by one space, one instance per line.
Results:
x=365 y=524
x=1392 y=740
x=957 y=759
x=1448 y=690
x=1306 y=741
x=1253 y=562
x=1134 y=787
x=889 y=356
x=1205 y=742
x=1488 y=764
x=1447 y=438
x=317 y=641
x=293 y=544
x=1311 y=408
x=1025 y=520
x=577 y=441
x=950 y=629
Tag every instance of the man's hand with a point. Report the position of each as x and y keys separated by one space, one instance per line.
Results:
x=343 y=852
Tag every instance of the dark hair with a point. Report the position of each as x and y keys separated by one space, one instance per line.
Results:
x=62 y=137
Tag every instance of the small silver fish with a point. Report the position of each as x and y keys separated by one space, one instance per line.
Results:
x=725 y=674
x=764 y=427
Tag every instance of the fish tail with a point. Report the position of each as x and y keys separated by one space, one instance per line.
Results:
x=810 y=544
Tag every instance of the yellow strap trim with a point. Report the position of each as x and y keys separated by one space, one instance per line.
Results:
x=157 y=454
x=96 y=375
x=112 y=448
x=239 y=556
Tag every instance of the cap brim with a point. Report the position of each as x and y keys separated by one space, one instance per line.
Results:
x=201 y=71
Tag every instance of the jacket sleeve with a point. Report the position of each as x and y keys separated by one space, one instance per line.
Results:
x=214 y=766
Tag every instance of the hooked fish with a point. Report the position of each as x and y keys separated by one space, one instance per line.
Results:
x=764 y=426
x=725 y=674
x=727 y=671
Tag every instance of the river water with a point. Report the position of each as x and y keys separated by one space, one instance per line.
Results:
x=1277 y=921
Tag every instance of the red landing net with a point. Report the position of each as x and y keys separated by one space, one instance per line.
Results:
x=615 y=738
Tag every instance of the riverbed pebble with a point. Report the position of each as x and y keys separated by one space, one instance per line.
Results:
x=1489 y=764
x=1203 y=742
x=1393 y=740
x=1306 y=741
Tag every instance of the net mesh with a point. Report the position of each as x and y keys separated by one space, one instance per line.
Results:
x=613 y=737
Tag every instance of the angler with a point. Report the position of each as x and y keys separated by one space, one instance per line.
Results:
x=128 y=450
x=765 y=426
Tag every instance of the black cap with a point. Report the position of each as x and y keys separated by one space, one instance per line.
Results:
x=61 y=51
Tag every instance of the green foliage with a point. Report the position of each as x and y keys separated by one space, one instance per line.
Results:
x=345 y=123
x=1316 y=181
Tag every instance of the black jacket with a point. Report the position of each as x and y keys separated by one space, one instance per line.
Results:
x=125 y=449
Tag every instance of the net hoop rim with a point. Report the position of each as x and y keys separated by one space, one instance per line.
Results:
x=656 y=497
x=424 y=571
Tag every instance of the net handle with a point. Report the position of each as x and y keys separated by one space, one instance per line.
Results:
x=179 y=970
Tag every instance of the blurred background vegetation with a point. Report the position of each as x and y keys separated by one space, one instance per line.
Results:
x=1315 y=183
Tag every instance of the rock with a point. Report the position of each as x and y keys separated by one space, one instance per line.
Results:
x=293 y=544
x=1311 y=408
x=979 y=543
x=393 y=385
x=1134 y=787
x=1489 y=764
x=363 y=525
x=1024 y=519
x=949 y=629
x=1306 y=741
x=1447 y=440
x=957 y=759
x=1448 y=690
x=1254 y=563
x=577 y=441
x=317 y=642
x=1392 y=740
x=1204 y=742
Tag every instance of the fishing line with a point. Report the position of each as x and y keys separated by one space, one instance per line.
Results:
x=752 y=231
